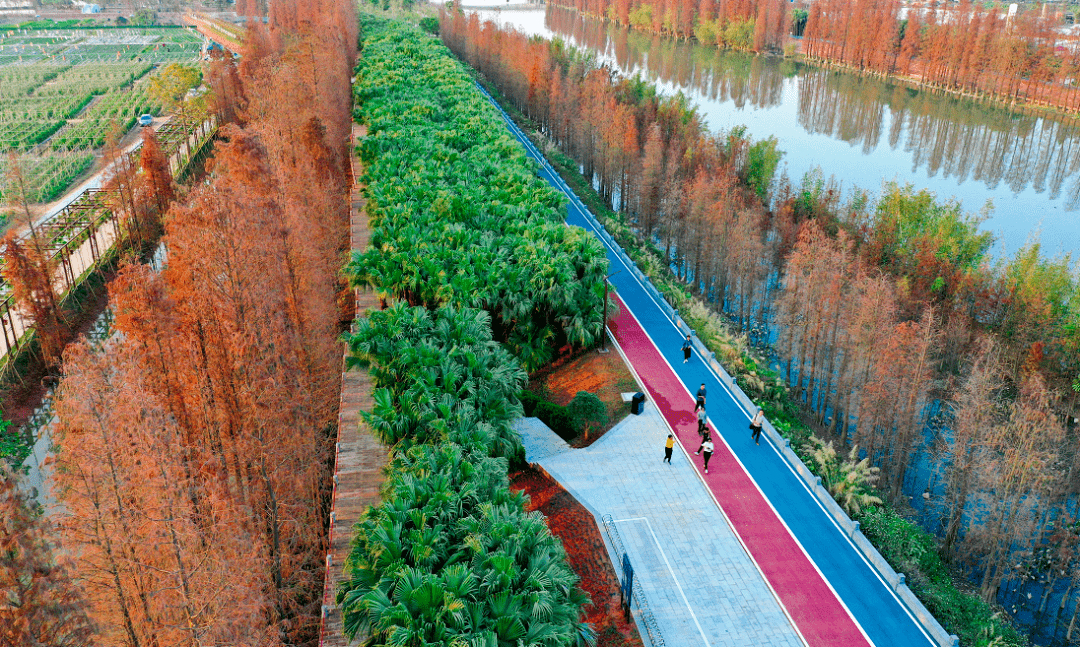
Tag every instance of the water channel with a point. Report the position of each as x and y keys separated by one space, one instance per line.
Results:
x=1024 y=169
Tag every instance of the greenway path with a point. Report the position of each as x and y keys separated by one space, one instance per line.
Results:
x=824 y=584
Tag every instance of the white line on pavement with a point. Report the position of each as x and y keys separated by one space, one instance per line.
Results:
x=673 y=576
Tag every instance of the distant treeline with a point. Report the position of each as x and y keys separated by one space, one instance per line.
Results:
x=965 y=47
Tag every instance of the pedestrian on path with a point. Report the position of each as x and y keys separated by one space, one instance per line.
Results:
x=668 y=447
x=755 y=426
x=686 y=347
x=706 y=453
x=704 y=439
x=701 y=424
x=700 y=398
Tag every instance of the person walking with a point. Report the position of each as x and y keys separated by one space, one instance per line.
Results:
x=668 y=447
x=755 y=426
x=686 y=347
x=701 y=424
x=704 y=439
x=700 y=398
x=706 y=452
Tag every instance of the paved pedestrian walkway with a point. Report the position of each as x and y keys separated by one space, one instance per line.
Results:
x=701 y=585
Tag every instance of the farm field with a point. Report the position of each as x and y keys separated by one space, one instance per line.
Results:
x=62 y=91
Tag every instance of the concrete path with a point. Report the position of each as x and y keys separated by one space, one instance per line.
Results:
x=701 y=585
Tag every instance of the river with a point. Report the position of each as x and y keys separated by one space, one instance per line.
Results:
x=1023 y=170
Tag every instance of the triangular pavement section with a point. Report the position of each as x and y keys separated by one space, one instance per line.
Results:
x=700 y=585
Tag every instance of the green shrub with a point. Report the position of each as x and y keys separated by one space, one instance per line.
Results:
x=529 y=401
x=558 y=419
x=587 y=410
x=450 y=556
x=458 y=215
x=430 y=25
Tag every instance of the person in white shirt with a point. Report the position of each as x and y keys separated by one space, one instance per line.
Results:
x=755 y=426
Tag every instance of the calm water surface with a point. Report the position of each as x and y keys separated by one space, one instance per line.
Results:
x=1023 y=170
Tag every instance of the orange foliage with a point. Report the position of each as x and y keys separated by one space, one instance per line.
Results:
x=197 y=442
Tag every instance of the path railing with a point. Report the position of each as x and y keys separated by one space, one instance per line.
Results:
x=644 y=615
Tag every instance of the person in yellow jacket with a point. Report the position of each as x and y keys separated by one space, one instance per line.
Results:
x=668 y=447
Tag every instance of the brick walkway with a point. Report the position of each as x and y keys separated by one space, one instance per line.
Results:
x=360 y=457
x=702 y=587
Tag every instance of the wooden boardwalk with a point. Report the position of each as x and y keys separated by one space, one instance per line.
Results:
x=360 y=457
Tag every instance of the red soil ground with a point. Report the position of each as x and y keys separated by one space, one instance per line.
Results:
x=585 y=551
x=603 y=374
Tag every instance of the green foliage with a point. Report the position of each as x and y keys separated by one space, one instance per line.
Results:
x=705 y=31
x=558 y=419
x=911 y=551
x=739 y=34
x=143 y=17
x=798 y=21
x=459 y=217
x=451 y=556
x=641 y=17
x=849 y=481
x=46 y=177
x=14 y=447
x=529 y=401
x=911 y=228
x=438 y=376
x=588 y=410
x=169 y=86
x=761 y=162
x=430 y=25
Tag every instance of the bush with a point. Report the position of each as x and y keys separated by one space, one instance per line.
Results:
x=761 y=163
x=588 y=410
x=430 y=25
x=558 y=419
x=529 y=401
x=451 y=554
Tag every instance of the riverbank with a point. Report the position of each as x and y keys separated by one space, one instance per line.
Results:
x=903 y=543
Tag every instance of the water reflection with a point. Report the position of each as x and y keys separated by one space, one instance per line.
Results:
x=995 y=153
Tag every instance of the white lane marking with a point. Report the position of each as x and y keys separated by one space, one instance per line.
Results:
x=672 y=571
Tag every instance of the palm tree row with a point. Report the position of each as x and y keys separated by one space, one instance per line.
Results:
x=451 y=556
x=458 y=216
x=470 y=244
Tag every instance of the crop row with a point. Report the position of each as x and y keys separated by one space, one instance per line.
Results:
x=19 y=80
x=117 y=109
x=96 y=78
x=21 y=135
x=35 y=108
x=46 y=178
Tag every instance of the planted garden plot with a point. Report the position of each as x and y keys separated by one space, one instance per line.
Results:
x=62 y=91
x=47 y=177
x=20 y=80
